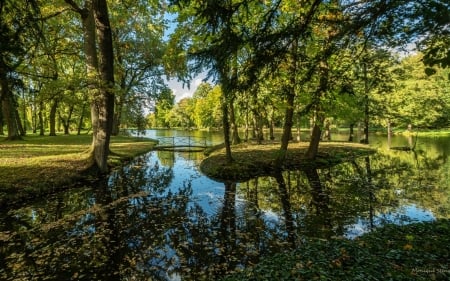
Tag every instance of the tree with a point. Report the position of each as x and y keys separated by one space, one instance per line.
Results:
x=19 y=32
x=421 y=100
x=138 y=34
x=100 y=73
x=433 y=27
x=163 y=104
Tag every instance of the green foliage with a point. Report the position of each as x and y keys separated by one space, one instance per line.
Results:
x=207 y=108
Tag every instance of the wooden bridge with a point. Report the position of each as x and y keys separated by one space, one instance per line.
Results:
x=183 y=143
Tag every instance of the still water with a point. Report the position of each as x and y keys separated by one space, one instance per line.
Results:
x=159 y=218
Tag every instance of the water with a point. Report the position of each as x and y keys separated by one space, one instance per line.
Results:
x=159 y=218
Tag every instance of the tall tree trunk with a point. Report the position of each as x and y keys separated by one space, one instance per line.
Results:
x=8 y=108
x=288 y=123
x=289 y=91
x=316 y=133
x=41 y=119
x=116 y=120
x=313 y=148
x=366 y=106
x=24 y=114
x=351 y=133
x=246 y=124
x=1 y=121
x=34 y=121
x=271 y=126
x=234 y=128
x=299 y=138
x=52 y=117
x=327 y=133
x=104 y=101
x=66 y=122
x=19 y=122
x=80 y=121
x=226 y=126
x=258 y=131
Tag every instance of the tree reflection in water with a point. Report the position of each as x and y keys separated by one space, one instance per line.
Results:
x=138 y=226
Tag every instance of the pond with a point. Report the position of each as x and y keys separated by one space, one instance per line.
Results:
x=159 y=218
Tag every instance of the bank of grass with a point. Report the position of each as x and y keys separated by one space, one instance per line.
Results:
x=40 y=164
x=418 y=251
x=252 y=160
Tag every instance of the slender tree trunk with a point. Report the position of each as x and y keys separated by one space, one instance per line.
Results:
x=351 y=133
x=234 y=128
x=366 y=105
x=66 y=122
x=41 y=119
x=24 y=114
x=19 y=122
x=226 y=126
x=271 y=127
x=52 y=117
x=258 y=126
x=327 y=134
x=80 y=121
x=287 y=127
x=313 y=148
x=34 y=121
x=316 y=132
x=299 y=132
x=290 y=98
x=2 y=132
x=246 y=125
x=116 y=120
x=254 y=127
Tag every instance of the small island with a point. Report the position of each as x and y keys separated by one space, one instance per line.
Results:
x=253 y=160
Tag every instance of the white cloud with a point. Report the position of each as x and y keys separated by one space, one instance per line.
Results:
x=181 y=91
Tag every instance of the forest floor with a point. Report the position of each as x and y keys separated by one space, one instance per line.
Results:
x=252 y=160
x=38 y=165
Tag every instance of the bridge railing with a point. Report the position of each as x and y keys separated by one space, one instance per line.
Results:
x=182 y=141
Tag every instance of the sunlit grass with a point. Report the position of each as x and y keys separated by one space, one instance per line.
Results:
x=49 y=162
x=251 y=160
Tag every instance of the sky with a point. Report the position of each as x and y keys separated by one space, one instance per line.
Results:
x=181 y=92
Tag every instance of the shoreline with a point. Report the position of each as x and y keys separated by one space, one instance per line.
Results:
x=41 y=165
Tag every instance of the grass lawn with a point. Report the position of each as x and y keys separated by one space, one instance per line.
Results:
x=38 y=164
x=252 y=160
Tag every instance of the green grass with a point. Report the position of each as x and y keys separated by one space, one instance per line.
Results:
x=252 y=160
x=39 y=164
x=413 y=252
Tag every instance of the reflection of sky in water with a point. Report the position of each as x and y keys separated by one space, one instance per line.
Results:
x=208 y=194
x=402 y=215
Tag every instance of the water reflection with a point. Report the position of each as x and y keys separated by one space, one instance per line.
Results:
x=160 y=219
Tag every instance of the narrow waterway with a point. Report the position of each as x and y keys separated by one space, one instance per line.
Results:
x=159 y=218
